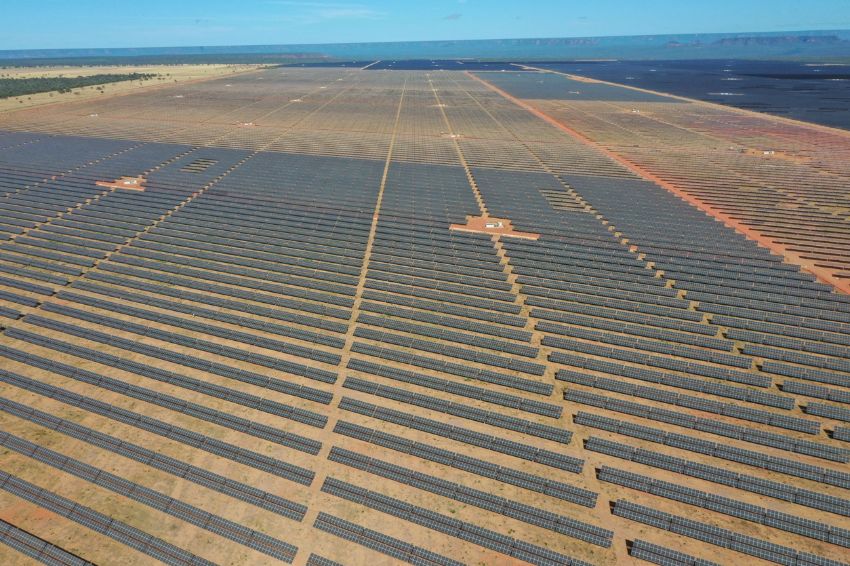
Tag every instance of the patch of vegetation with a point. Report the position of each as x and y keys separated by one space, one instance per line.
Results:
x=23 y=86
x=176 y=59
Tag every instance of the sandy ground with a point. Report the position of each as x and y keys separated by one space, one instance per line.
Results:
x=167 y=74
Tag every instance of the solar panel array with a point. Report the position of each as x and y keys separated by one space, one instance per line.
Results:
x=785 y=181
x=279 y=350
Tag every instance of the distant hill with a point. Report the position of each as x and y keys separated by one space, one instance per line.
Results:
x=803 y=44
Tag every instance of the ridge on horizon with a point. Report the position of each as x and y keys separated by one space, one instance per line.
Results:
x=695 y=44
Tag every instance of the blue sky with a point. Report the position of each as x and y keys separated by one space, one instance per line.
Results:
x=37 y=24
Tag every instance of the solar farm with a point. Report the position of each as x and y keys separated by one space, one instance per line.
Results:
x=359 y=315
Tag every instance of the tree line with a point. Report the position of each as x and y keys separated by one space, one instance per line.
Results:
x=22 y=86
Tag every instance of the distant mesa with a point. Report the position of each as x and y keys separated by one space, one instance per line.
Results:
x=781 y=40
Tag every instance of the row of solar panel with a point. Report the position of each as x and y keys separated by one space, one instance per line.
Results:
x=549 y=252
x=230 y=291
x=450 y=248
x=568 y=302
x=169 y=505
x=583 y=283
x=267 y=215
x=460 y=410
x=196 y=311
x=87 y=253
x=173 y=264
x=808 y=374
x=547 y=486
x=283 y=254
x=459 y=299
x=723 y=451
x=594 y=294
x=711 y=426
x=761 y=294
x=830 y=311
x=644 y=345
x=588 y=244
x=242 y=244
x=103 y=524
x=771 y=330
x=250 y=458
x=465 y=531
x=836 y=347
x=97 y=248
x=316 y=560
x=204 y=365
x=687 y=383
x=694 y=402
x=454 y=272
x=611 y=317
x=384 y=544
x=67 y=226
x=438 y=306
x=32 y=261
x=451 y=351
x=185 y=323
x=431 y=230
x=279 y=273
x=451 y=322
x=463 y=389
x=727 y=506
x=245 y=235
x=461 y=370
x=38 y=252
x=483 y=258
x=422 y=256
x=174 y=403
x=737 y=255
x=173 y=466
x=132 y=283
x=36 y=548
x=777 y=318
x=690 y=367
x=32 y=274
x=744 y=282
x=719 y=537
x=829 y=411
x=759 y=269
x=19 y=299
x=96 y=227
x=471 y=288
x=723 y=476
x=448 y=335
x=478 y=498
x=702 y=339
x=6 y=312
x=841 y=362
x=466 y=436
x=662 y=556
x=816 y=391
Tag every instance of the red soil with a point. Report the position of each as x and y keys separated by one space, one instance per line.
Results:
x=490 y=225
